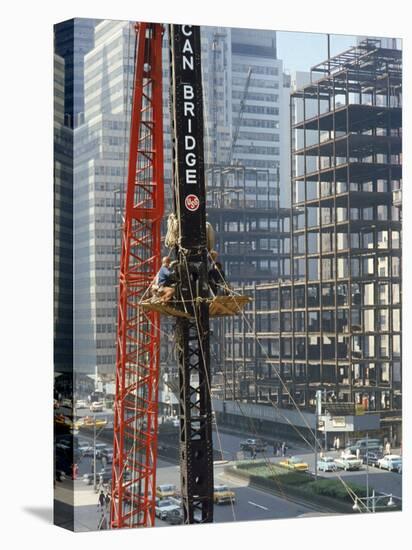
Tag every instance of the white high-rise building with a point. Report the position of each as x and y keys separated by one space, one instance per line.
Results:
x=101 y=152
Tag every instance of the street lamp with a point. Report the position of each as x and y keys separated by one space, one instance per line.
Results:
x=374 y=499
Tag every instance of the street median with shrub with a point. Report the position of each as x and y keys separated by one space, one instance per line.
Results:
x=329 y=494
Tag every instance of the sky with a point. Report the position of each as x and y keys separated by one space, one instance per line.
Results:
x=301 y=50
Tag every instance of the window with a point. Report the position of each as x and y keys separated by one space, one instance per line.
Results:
x=342 y=241
x=368 y=265
x=328 y=295
x=382 y=212
x=383 y=239
x=396 y=320
x=299 y=321
x=313 y=243
x=299 y=296
x=342 y=294
x=327 y=268
x=383 y=293
x=395 y=239
x=384 y=372
x=313 y=321
x=285 y=298
x=313 y=295
x=369 y=320
x=343 y=268
x=383 y=319
x=313 y=269
x=396 y=266
x=395 y=293
x=383 y=345
x=328 y=321
x=368 y=240
x=368 y=297
x=286 y=321
x=356 y=294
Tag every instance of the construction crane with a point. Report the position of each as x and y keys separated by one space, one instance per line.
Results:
x=240 y=117
x=138 y=337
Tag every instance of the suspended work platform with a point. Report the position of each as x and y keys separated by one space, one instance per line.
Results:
x=219 y=306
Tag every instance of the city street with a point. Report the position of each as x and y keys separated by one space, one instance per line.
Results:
x=251 y=503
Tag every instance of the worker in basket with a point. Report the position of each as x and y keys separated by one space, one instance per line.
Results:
x=216 y=277
x=162 y=289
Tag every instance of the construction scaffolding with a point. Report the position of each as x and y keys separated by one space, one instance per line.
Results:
x=333 y=322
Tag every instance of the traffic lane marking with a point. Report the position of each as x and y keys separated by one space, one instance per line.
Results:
x=257 y=505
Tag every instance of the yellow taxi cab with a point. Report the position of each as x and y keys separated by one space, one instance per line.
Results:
x=88 y=422
x=222 y=494
x=294 y=463
x=165 y=491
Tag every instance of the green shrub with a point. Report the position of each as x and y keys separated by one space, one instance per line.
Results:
x=335 y=489
x=270 y=471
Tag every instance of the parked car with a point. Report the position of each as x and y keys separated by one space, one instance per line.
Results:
x=294 y=463
x=165 y=491
x=365 y=444
x=103 y=476
x=326 y=464
x=390 y=462
x=174 y=516
x=97 y=406
x=257 y=444
x=81 y=404
x=222 y=494
x=163 y=506
x=348 y=462
x=371 y=458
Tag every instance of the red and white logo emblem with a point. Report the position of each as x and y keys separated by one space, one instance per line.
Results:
x=192 y=202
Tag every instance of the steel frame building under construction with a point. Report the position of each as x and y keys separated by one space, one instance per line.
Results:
x=333 y=320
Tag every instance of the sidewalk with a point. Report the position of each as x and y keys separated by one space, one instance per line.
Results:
x=83 y=495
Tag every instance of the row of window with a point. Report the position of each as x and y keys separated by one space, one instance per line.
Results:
x=313 y=295
x=319 y=347
x=366 y=320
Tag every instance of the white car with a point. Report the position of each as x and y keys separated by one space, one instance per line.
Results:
x=326 y=464
x=348 y=462
x=96 y=406
x=164 y=506
x=390 y=462
x=81 y=404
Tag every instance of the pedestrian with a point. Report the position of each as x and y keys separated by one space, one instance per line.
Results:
x=253 y=452
x=388 y=448
x=283 y=448
x=334 y=443
x=337 y=443
x=107 y=500
x=101 y=502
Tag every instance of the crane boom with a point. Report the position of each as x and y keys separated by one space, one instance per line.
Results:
x=239 y=118
x=138 y=337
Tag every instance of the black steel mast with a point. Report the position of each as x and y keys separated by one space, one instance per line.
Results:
x=192 y=334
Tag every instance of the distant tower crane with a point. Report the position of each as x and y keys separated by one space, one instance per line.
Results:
x=240 y=117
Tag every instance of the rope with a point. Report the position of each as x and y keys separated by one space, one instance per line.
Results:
x=172 y=235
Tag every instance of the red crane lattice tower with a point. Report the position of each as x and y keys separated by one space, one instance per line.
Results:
x=138 y=337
